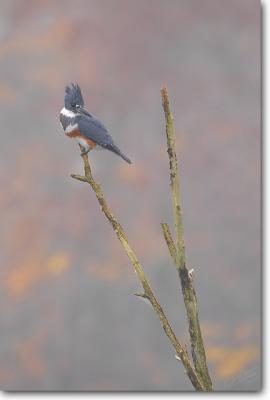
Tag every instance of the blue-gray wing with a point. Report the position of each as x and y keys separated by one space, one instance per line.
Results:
x=93 y=129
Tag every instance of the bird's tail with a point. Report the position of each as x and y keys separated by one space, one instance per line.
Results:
x=116 y=150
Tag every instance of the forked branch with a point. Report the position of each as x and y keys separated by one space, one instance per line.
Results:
x=180 y=349
x=178 y=255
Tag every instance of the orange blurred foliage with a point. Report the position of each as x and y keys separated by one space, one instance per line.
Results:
x=106 y=270
x=230 y=361
x=58 y=263
x=33 y=269
x=211 y=330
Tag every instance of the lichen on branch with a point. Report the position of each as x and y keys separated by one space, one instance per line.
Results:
x=177 y=251
x=180 y=349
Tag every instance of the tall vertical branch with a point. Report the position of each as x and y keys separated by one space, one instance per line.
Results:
x=174 y=181
x=178 y=252
x=180 y=349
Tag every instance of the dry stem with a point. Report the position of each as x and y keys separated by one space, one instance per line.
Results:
x=178 y=252
x=180 y=349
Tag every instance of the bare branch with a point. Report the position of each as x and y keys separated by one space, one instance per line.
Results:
x=190 y=300
x=174 y=179
x=79 y=177
x=181 y=351
x=141 y=295
x=169 y=240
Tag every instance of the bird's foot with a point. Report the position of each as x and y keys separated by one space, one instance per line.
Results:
x=84 y=152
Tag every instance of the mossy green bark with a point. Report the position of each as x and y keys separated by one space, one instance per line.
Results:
x=180 y=349
x=177 y=252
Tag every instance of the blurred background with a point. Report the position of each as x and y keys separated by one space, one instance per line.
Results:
x=69 y=320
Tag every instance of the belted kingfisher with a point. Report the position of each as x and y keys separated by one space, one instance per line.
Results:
x=78 y=123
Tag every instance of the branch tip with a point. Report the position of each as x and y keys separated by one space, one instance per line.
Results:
x=177 y=251
x=144 y=295
x=169 y=240
x=79 y=177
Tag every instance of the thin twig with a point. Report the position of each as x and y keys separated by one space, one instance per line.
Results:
x=180 y=349
x=190 y=300
x=169 y=240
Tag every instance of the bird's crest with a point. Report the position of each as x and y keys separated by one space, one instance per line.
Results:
x=73 y=95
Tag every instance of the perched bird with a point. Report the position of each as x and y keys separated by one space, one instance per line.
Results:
x=78 y=123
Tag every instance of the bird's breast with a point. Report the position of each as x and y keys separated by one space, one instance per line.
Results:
x=72 y=130
x=67 y=118
x=69 y=122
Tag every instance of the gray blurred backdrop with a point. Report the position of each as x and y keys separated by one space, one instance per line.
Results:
x=69 y=320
